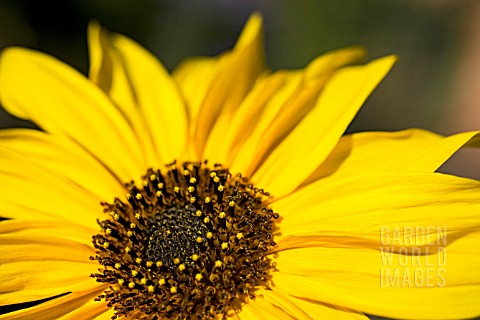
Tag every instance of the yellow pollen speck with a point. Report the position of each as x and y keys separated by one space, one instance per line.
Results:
x=160 y=185
x=138 y=196
x=199 y=239
x=191 y=189
x=128 y=249
x=138 y=215
x=218 y=264
x=121 y=282
x=129 y=233
x=209 y=235
x=213 y=174
x=138 y=260
x=181 y=267
x=143 y=281
x=176 y=261
x=116 y=216
x=173 y=289
x=224 y=245
x=239 y=235
x=134 y=273
x=198 y=276
x=132 y=225
x=161 y=281
x=108 y=231
x=216 y=179
x=158 y=193
x=195 y=257
x=198 y=213
x=206 y=220
x=111 y=213
x=221 y=188
x=192 y=200
x=231 y=203
x=151 y=289
x=128 y=196
x=131 y=285
x=193 y=180
x=159 y=263
x=153 y=177
x=118 y=265
x=221 y=215
x=149 y=264
x=208 y=199
x=106 y=244
x=176 y=189
x=186 y=172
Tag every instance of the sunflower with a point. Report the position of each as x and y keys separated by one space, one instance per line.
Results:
x=224 y=190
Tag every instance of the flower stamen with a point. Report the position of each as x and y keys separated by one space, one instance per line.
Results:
x=191 y=243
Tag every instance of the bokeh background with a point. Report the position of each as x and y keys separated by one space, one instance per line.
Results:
x=435 y=85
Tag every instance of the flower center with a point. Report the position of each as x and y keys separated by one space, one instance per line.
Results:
x=192 y=242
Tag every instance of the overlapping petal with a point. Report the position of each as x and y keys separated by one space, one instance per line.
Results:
x=320 y=130
x=407 y=150
x=235 y=75
x=56 y=308
x=108 y=70
x=284 y=109
x=385 y=283
x=317 y=310
x=60 y=157
x=157 y=98
x=353 y=211
x=36 y=193
x=61 y=101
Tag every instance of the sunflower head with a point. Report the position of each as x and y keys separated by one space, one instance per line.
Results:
x=181 y=237
x=190 y=241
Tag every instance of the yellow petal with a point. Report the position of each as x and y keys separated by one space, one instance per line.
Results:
x=250 y=313
x=62 y=158
x=56 y=308
x=109 y=71
x=355 y=210
x=282 y=301
x=157 y=96
x=61 y=101
x=230 y=131
x=194 y=76
x=105 y=316
x=317 y=310
x=384 y=283
x=58 y=198
x=233 y=79
x=321 y=129
x=21 y=238
x=407 y=150
x=90 y=310
x=286 y=108
x=24 y=281
x=260 y=308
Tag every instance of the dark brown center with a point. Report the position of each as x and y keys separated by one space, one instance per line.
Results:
x=191 y=243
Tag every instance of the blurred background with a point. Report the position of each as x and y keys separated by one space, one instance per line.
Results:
x=435 y=85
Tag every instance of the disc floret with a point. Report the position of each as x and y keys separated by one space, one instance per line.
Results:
x=191 y=242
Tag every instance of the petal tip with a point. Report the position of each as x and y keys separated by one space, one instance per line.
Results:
x=252 y=31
